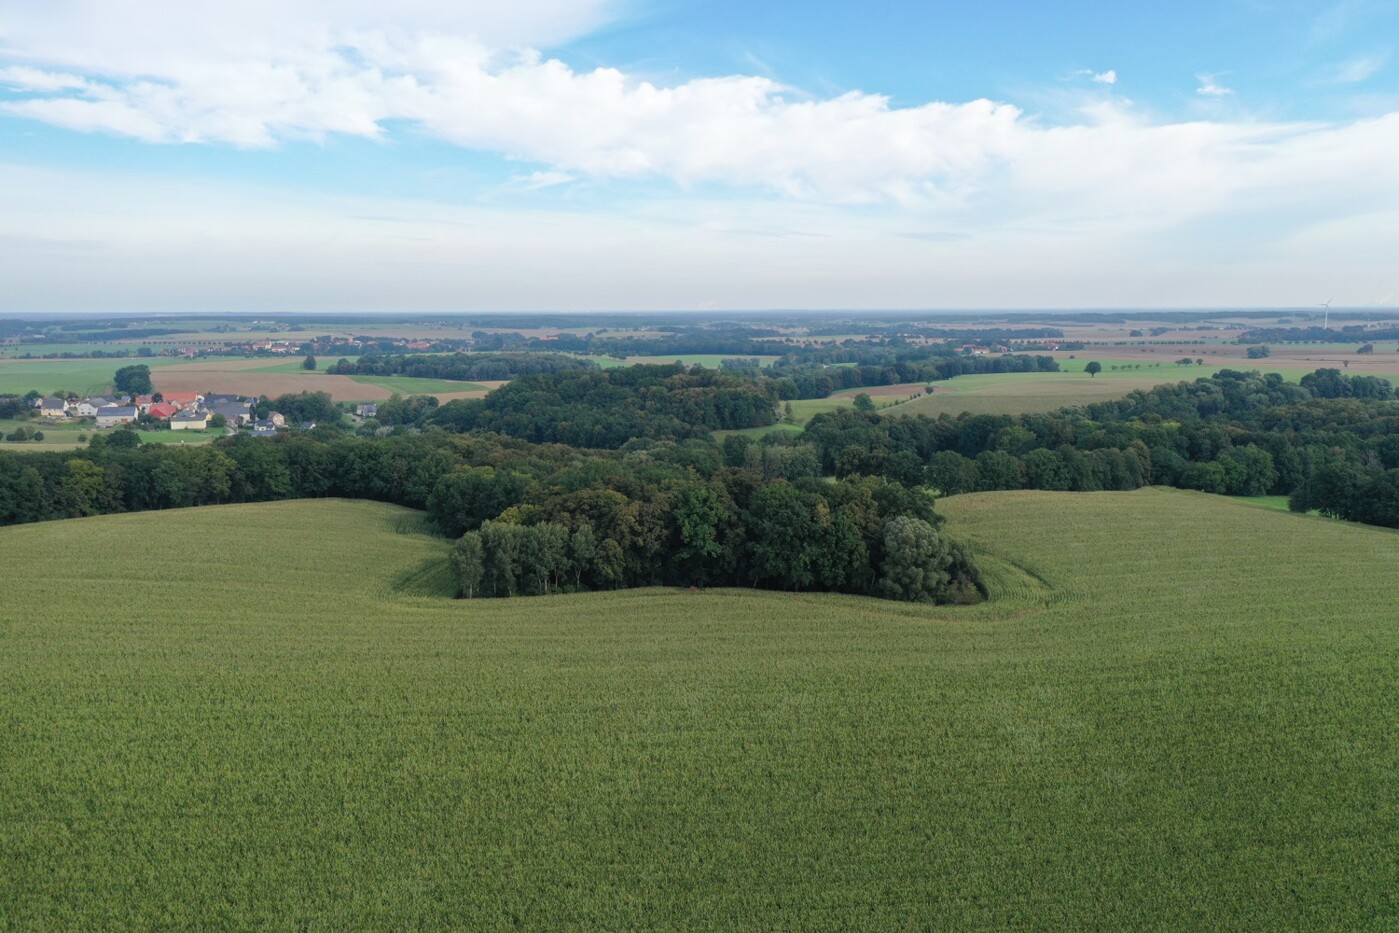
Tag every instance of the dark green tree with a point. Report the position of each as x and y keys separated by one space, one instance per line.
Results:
x=133 y=380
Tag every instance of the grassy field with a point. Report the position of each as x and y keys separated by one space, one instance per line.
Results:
x=1158 y=721
x=62 y=436
x=1022 y=393
x=85 y=377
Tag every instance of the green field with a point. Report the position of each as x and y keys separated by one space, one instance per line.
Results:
x=1177 y=711
x=85 y=377
x=64 y=436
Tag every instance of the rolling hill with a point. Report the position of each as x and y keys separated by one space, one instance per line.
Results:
x=1176 y=711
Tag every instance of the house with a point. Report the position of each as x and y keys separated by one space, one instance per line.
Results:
x=144 y=402
x=278 y=419
x=88 y=407
x=308 y=425
x=235 y=413
x=264 y=429
x=367 y=410
x=183 y=399
x=113 y=415
x=53 y=407
x=212 y=399
x=193 y=420
x=162 y=410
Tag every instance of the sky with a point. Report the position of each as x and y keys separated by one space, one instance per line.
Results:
x=485 y=155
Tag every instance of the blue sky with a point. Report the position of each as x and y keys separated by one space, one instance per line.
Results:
x=185 y=155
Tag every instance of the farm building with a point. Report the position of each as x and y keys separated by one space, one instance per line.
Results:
x=162 y=410
x=189 y=421
x=114 y=415
x=53 y=407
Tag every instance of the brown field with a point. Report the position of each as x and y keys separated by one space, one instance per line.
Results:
x=233 y=376
x=341 y=388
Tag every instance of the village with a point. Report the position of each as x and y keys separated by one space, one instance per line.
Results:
x=184 y=411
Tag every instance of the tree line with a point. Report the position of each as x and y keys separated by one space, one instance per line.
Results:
x=1331 y=444
x=466 y=367
x=541 y=518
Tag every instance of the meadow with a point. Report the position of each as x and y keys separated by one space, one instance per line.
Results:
x=1176 y=711
x=85 y=377
x=65 y=436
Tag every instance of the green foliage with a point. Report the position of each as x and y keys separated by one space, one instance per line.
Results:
x=309 y=364
x=133 y=380
x=1093 y=368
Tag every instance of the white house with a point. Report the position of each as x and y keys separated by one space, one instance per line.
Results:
x=53 y=407
x=189 y=421
x=88 y=407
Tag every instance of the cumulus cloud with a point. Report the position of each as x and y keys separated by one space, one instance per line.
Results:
x=194 y=71
x=1210 y=86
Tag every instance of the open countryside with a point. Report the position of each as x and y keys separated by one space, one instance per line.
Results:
x=1151 y=683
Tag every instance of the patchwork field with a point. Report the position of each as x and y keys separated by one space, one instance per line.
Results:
x=1176 y=712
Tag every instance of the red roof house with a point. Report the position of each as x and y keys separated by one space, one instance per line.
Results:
x=162 y=410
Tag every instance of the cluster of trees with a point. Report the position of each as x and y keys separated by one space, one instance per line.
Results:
x=609 y=408
x=859 y=536
x=1234 y=433
x=467 y=367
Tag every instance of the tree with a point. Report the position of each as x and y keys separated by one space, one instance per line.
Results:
x=864 y=403
x=309 y=364
x=920 y=566
x=1259 y=352
x=133 y=380
x=1093 y=368
x=1366 y=348
x=124 y=439
x=467 y=564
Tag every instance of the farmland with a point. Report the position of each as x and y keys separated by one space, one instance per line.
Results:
x=1156 y=721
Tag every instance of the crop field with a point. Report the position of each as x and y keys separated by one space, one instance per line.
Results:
x=1176 y=712
x=409 y=385
x=1023 y=393
x=85 y=377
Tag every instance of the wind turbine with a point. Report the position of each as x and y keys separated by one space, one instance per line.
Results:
x=1326 y=325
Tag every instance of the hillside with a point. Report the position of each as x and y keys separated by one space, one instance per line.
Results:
x=1176 y=711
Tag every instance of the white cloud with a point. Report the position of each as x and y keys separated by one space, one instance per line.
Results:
x=1358 y=68
x=1210 y=86
x=1105 y=77
x=982 y=180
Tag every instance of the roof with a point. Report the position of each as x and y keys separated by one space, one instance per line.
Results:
x=49 y=401
x=190 y=416
x=163 y=409
x=118 y=411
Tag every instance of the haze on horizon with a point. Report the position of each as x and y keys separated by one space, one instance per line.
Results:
x=561 y=155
